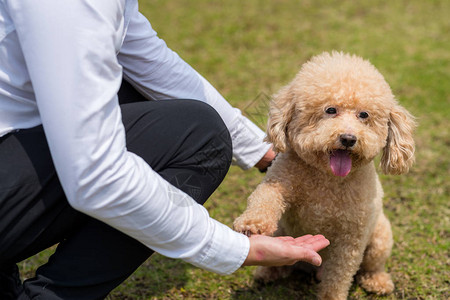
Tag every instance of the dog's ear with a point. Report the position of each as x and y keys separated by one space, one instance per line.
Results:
x=280 y=114
x=398 y=154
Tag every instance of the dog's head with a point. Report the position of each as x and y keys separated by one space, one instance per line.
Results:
x=339 y=113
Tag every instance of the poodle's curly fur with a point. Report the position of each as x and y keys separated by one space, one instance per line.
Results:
x=328 y=125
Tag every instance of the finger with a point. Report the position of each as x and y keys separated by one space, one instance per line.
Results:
x=303 y=239
x=308 y=255
x=319 y=243
x=309 y=237
x=310 y=240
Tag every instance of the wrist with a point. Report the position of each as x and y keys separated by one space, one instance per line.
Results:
x=266 y=160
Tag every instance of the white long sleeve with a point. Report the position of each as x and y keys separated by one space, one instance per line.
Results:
x=159 y=73
x=69 y=51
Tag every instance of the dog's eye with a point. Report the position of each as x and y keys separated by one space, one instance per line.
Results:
x=331 y=110
x=363 y=115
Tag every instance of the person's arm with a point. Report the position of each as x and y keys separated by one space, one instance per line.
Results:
x=159 y=73
x=70 y=51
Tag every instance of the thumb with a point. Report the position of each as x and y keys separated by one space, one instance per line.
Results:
x=308 y=255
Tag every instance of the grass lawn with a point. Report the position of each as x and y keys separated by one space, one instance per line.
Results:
x=248 y=50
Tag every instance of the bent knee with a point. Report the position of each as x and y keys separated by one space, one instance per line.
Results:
x=208 y=123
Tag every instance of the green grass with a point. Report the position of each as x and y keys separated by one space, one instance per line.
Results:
x=250 y=48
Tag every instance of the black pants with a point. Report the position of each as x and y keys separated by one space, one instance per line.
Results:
x=185 y=141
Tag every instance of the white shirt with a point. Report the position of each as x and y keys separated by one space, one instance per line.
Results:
x=61 y=65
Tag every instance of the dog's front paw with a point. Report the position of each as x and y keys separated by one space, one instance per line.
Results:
x=249 y=225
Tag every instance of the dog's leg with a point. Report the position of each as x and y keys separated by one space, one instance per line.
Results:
x=372 y=276
x=340 y=264
x=264 y=209
x=270 y=274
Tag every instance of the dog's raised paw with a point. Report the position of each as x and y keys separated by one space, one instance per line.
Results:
x=249 y=226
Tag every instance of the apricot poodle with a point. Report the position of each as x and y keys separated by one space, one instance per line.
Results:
x=328 y=125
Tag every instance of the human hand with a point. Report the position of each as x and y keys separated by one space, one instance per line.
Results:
x=285 y=250
x=266 y=161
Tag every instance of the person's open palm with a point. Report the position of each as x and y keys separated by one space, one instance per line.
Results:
x=285 y=250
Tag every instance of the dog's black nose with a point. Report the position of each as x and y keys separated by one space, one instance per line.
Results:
x=348 y=140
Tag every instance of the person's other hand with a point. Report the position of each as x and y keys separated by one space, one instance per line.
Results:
x=266 y=161
x=285 y=250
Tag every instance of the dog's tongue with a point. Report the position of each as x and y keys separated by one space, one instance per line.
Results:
x=341 y=163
